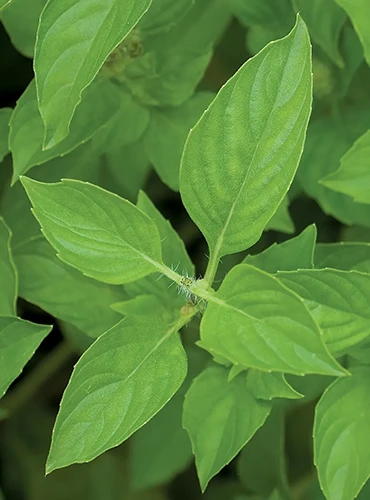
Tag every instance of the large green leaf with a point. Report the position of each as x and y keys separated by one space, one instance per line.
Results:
x=8 y=274
x=296 y=253
x=99 y=233
x=240 y=158
x=359 y=12
x=220 y=417
x=19 y=340
x=339 y=302
x=5 y=114
x=20 y=20
x=353 y=176
x=119 y=383
x=74 y=38
x=165 y=138
x=324 y=19
x=98 y=104
x=343 y=255
x=62 y=291
x=255 y=321
x=341 y=436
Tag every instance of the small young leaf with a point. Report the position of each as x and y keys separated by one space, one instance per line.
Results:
x=264 y=385
x=254 y=129
x=220 y=417
x=19 y=340
x=8 y=274
x=119 y=383
x=281 y=220
x=359 y=12
x=165 y=138
x=73 y=40
x=339 y=302
x=353 y=176
x=98 y=105
x=99 y=233
x=345 y=256
x=69 y=295
x=20 y=20
x=341 y=436
x=255 y=321
x=5 y=114
x=296 y=253
x=325 y=20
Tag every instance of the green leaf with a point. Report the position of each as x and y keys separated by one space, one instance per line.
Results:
x=343 y=255
x=165 y=138
x=98 y=104
x=173 y=248
x=220 y=417
x=261 y=463
x=19 y=340
x=8 y=273
x=341 y=436
x=4 y=4
x=281 y=220
x=164 y=15
x=5 y=114
x=127 y=169
x=325 y=20
x=359 y=13
x=353 y=176
x=69 y=295
x=20 y=20
x=173 y=62
x=73 y=40
x=241 y=157
x=339 y=302
x=161 y=449
x=124 y=127
x=267 y=13
x=296 y=253
x=99 y=233
x=142 y=305
x=255 y=321
x=159 y=288
x=327 y=141
x=119 y=383
x=264 y=385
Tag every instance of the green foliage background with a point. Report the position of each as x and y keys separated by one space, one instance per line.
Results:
x=188 y=302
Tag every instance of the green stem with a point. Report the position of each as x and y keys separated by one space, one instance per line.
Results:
x=212 y=268
x=27 y=388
